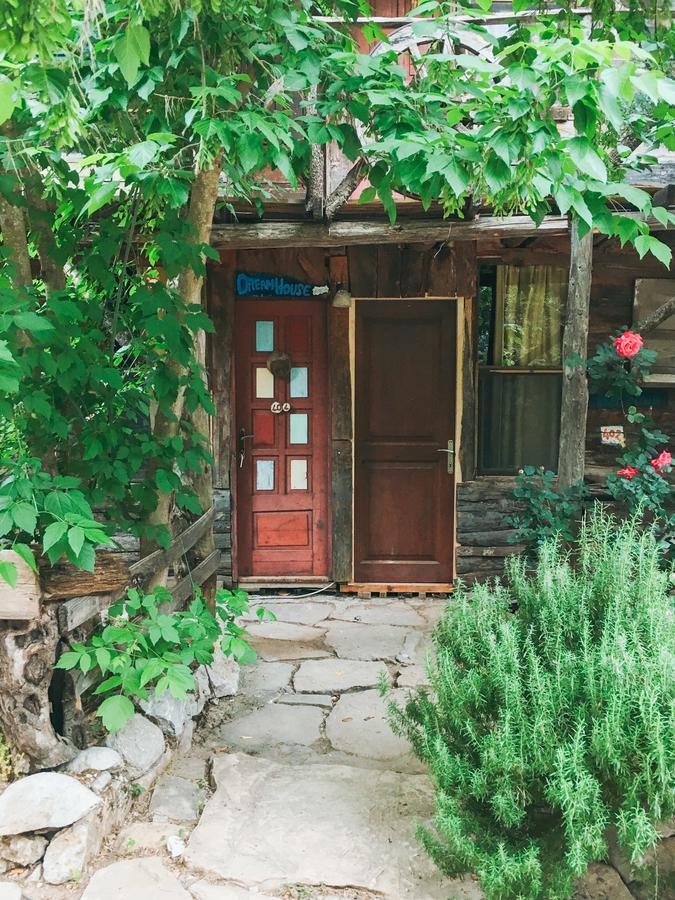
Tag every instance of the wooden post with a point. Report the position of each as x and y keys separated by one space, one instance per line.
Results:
x=574 y=405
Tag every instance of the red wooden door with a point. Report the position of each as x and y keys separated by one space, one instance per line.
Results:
x=405 y=417
x=282 y=428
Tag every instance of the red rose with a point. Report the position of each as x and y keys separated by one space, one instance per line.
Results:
x=628 y=344
x=663 y=461
x=628 y=473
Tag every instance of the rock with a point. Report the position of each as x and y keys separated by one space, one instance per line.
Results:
x=145 y=837
x=393 y=613
x=204 y=890
x=297 y=611
x=306 y=699
x=190 y=767
x=274 y=724
x=47 y=800
x=10 y=891
x=266 y=678
x=176 y=799
x=95 y=759
x=170 y=714
x=69 y=852
x=601 y=882
x=659 y=862
x=357 y=724
x=336 y=675
x=412 y=677
x=175 y=846
x=141 y=744
x=220 y=679
x=273 y=651
x=101 y=782
x=285 y=631
x=351 y=640
x=23 y=851
x=270 y=824
x=145 y=878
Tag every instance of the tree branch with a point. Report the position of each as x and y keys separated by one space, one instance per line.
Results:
x=344 y=190
x=659 y=315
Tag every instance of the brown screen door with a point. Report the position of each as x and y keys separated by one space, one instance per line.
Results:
x=405 y=417
x=281 y=433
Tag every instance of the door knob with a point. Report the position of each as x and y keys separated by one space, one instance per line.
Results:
x=243 y=437
x=450 y=450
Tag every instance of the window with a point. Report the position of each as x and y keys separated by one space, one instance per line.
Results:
x=520 y=377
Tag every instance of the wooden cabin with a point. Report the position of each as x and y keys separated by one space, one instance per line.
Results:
x=378 y=386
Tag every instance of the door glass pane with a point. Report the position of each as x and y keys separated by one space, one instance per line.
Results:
x=299 y=429
x=298 y=474
x=264 y=474
x=264 y=337
x=264 y=383
x=299 y=381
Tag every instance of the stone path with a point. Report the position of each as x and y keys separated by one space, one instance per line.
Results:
x=296 y=788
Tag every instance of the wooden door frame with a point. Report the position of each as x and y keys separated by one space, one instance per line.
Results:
x=343 y=474
x=281 y=580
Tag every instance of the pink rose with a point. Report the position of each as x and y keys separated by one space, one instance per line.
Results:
x=628 y=473
x=663 y=461
x=628 y=344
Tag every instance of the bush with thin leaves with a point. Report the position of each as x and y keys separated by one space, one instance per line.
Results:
x=550 y=715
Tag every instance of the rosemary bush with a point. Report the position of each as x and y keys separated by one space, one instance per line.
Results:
x=550 y=715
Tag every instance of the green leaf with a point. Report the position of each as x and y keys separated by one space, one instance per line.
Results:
x=31 y=321
x=586 y=158
x=7 y=101
x=86 y=558
x=115 y=712
x=26 y=554
x=68 y=660
x=76 y=539
x=132 y=50
x=142 y=154
x=109 y=684
x=24 y=515
x=9 y=573
x=53 y=534
x=646 y=243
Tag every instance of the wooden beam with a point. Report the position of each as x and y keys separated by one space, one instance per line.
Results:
x=202 y=572
x=257 y=235
x=665 y=311
x=181 y=543
x=574 y=405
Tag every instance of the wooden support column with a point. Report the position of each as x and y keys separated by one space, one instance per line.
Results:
x=341 y=427
x=574 y=405
x=221 y=311
x=467 y=436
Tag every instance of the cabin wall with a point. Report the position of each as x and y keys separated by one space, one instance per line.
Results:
x=417 y=271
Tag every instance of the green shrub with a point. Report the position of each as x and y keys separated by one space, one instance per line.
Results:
x=547 y=510
x=550 y=715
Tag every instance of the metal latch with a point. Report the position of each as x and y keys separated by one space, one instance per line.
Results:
x=450 y=450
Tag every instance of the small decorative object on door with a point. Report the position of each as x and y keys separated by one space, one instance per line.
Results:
x=279 y=365
x=612 y=435
x=257 y=284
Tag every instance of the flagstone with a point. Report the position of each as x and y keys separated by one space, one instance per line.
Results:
x=353 y=640
x=336 y=675
x=274 y=724
x=357 y=724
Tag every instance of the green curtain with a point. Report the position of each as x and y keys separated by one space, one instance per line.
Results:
x=529 y=315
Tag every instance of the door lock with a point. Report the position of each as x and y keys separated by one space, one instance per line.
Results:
x=450 y=450
x=243 y=437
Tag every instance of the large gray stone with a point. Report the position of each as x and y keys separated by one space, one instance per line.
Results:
x=172 y=715
x=274 y=724
x=394 y=612
x=601 y=882
x=300 y=612
x=145 y=837
x=266 y=678
x=412 y=677
x=336 y=675
x=220 y=679
x=22 y=850
x=205 y=890
x=275 y=651
x=269 y=824
x=46 y=800
x=145 y=878
x=357 y=724
x=351 y=640
x=95 y=759
x=286 y=631
x=176 y=799
x=306 y=699
x=71 y=850
x=9 y=890
x=141 y=744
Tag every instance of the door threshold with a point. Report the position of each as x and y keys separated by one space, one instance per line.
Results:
x=282 y=581
x=380 y=588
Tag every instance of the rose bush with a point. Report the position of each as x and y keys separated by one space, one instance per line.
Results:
x=628 y=344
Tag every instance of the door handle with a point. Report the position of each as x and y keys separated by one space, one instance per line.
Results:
x=450 y=450
x=243 y=437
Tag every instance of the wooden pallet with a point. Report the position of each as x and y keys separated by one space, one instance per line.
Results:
x=365 y=591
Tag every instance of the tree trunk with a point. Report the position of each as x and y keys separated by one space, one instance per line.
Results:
x=13 y=228
x=574 y=406
x=27 y=656
x=189 y=285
